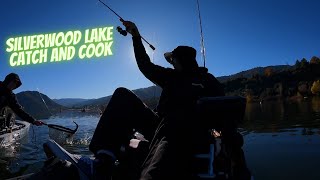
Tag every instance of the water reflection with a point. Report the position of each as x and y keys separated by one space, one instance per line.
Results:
x=279 y=115
x=316 y=104
x=282 y=139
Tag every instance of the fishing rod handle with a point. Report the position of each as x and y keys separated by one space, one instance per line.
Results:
x=152 y=47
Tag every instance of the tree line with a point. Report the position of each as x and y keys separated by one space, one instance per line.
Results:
x=301 y=80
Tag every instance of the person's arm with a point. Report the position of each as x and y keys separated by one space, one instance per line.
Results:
x=17 y=109
x=156 y=74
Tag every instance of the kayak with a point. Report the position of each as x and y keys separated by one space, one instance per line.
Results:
x=19 y=130
x=215 y=161
x=52 y=148
x=60 y=165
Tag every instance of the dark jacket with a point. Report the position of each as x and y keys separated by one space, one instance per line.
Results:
x=8 y=98
x=177 y=109
x=180 y=90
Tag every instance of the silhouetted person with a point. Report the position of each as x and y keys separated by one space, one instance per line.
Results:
x=8 y=98
x=168 y=152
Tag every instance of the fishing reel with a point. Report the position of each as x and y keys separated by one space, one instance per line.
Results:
x=124 y=33
x=121 y=31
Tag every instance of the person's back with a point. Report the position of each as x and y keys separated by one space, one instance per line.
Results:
x=5 y=96
x=183 y=84
x=178 y=102
x=183 y=89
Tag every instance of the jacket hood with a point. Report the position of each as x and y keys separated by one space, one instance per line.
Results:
x=12 y=77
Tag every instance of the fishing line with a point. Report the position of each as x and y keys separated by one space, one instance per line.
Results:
x=154 y=93
x=44 y=102
x=34 y=140
x=57 y=127
x=201 y=36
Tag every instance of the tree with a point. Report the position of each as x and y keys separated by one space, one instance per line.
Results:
x=315 y=60
x=268 y=72
x=315 y=89
x=249 y=95
x=303 y=89
x=304 y=63
x=298 y=64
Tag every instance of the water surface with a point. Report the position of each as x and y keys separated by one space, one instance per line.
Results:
x=282 y=141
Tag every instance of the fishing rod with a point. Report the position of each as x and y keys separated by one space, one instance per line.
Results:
x=201 y=35
x=124 y=32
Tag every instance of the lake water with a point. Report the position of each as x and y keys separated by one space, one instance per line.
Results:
x=282 y=141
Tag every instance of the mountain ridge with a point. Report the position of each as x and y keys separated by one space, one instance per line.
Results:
x=39 y=105
x=148 y=93
x=243 y=83
x=250 y=72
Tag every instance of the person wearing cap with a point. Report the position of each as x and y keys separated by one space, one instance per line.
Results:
x=161 y=152
x=181 y=87
x=8 y=98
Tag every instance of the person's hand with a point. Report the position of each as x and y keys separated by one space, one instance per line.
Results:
x=134 y=143
x=38 y=123
x=131 y=28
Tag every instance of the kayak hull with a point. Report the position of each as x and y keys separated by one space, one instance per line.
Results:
x=18 y=131
x=53 y=149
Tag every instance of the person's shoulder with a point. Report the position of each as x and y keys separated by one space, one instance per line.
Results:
x=205 y=72
x=5 y=91
x=207 y=76
x=9 y=93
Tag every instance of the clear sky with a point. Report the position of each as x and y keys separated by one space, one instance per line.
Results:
x=238 y=35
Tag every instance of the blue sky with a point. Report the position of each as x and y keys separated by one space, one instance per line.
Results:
x=238 y=35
